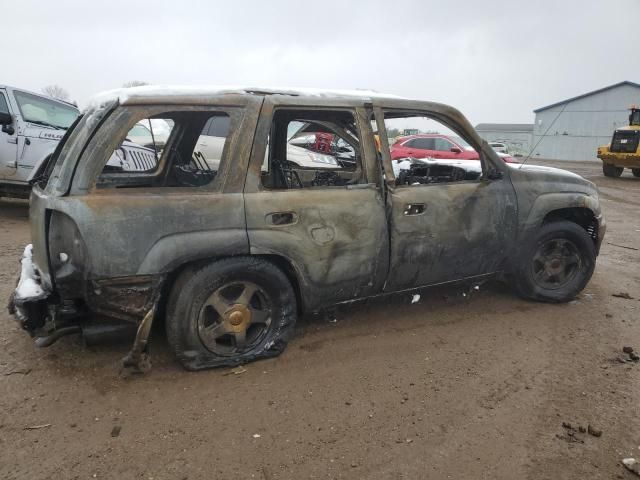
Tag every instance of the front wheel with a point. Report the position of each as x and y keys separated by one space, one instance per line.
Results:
x=556 y=264
x=636 y=172
x=611 y=170
x=230 y=312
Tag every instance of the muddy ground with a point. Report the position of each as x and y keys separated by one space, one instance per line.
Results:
x=451 y=387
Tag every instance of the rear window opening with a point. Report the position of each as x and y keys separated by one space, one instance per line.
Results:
x=176 y=149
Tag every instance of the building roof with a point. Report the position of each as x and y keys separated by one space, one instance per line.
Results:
x=505 y=127
x=594 y=92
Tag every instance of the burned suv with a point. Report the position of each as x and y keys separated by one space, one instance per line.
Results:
x=297 y=206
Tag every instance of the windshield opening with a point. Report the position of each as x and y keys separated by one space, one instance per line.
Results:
x=45 y=112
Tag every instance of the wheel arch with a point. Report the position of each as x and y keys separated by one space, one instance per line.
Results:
x=577 y=207
x=287 y=266
x=583 y=216
x=279 y=261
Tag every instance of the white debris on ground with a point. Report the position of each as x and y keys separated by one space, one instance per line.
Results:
x=415 y=298
x=28 y=286
x=632 y=465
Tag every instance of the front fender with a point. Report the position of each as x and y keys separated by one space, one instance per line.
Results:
x=549 y=202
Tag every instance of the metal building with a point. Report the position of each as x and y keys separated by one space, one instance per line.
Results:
x=574 y=128
x=517 y=136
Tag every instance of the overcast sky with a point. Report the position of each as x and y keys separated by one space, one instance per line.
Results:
x=494 y=60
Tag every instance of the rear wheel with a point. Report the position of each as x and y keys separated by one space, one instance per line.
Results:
x=557 y=263
x=636 y=172
x=230 y=312
x=611 y=170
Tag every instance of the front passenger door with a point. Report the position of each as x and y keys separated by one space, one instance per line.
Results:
x=448 y=220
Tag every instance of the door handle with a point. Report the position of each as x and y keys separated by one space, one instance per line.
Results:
x=414 y=209
x=282 y=218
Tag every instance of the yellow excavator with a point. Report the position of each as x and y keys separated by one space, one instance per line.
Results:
x=624 y=151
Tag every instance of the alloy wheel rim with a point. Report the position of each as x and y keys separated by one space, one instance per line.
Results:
x=556 y=263
x=234 y=318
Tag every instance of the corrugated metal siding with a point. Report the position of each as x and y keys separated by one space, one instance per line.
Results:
x=584 y=124
x=518 y=142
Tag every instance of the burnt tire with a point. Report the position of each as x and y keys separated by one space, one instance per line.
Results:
x=636 y=172
x=234 y=294
x=556 y=263
x=611 y=170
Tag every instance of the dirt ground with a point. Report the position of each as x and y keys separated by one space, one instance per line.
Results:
x=454 y=386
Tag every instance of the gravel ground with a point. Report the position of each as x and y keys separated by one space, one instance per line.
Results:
x=461 y=387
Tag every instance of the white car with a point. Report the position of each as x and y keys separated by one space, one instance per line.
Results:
x=212 y=139
x=499 y=147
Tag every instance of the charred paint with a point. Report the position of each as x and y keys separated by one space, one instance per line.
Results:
x=343 y=243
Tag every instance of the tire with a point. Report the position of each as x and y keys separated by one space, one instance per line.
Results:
x=556 y=264
x=211 y=306
x=611 y=170
x=636 y=172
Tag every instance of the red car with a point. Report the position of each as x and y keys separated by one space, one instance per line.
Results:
x=435 y=145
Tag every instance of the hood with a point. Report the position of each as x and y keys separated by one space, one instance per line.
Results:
x=550 y=179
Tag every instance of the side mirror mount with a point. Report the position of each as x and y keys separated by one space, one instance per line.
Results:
x=494 y=174
x=456 y=150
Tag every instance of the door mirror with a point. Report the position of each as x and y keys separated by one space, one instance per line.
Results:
x=456 y=150
x=5 y=119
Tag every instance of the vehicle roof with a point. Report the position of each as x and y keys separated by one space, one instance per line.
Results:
x=9 y=87
x=154 y=93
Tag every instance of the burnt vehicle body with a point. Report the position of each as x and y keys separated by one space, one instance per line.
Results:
x=233 y=255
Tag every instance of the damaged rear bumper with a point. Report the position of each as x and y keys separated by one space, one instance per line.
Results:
x=29 y=303
x=44 y=315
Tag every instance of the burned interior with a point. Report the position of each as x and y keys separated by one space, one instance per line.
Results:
x=190 y=157
x=312 y=148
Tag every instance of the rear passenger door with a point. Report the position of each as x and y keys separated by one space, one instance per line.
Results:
x=318 y=206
